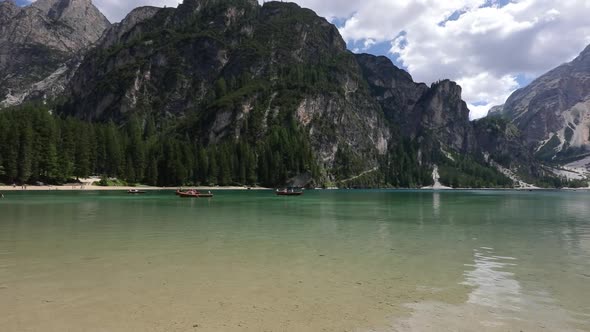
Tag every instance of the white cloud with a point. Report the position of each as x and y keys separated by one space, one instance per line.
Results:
x=483 y=91
x=485 y=48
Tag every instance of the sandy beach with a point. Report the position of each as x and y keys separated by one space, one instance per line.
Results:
x=124 y=188
x=88 y=185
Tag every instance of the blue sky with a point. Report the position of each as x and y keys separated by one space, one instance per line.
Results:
x=490 y=47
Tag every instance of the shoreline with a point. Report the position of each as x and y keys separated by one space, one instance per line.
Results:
x=216 y=188
x=122 y=188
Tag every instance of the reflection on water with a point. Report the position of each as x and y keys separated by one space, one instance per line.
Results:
x=497 y=302
x=436 y=204
x=494 y=286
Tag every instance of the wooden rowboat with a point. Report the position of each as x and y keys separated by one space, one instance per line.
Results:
x=193 y=194
x=136 y=191
x=289 y=193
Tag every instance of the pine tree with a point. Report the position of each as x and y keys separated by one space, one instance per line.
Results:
x=220 y=87
x=114 y=152
x=203 y=162
x=224 y=167
x=10 y=154
x=252 y=177
x=213 y=173
x=152 y=171
x=135 y=151
x=82 y=162
x=25 y=153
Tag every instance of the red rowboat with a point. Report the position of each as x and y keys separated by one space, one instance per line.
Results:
x=193 y=193
x=188 y=194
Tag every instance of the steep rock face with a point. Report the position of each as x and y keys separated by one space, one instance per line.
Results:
x=436 y=113
x=394 y=89
x=8 y=10
x=39 y=44
x=503 y=143
x=121 y=32
x=233 y=68
x=553 y=112
x=445 y=116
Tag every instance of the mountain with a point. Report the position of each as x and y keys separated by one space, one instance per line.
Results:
x=40 y=44
x=228 y=70
x=553 y=112
x=235 y=69
x=232 y=92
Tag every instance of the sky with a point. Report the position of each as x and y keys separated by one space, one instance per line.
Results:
x=490 y=47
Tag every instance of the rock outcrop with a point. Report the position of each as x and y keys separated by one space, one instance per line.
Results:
x=436 y=113
x=41 y=45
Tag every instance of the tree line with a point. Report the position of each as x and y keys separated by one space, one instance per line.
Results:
x=38 y=146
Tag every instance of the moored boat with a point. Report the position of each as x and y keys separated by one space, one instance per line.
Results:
x=289 y=192
x=188 y=193
x=135 y=191
x=193 y=194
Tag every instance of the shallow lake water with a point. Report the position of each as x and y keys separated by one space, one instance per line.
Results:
x=325 y=261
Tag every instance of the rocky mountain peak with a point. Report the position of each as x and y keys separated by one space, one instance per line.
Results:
x=55 y=8
x=38 y=40
x=118 y=31
x=4 y=4
x=8 y=10
x=582 y=62
x=553 y=111
x=447 y=87
x=198 y=5
x=386 y=73
x=80 y=15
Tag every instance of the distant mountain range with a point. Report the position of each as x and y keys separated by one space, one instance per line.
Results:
x=216 y=71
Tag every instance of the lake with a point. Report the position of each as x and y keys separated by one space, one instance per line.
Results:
x=325 y=261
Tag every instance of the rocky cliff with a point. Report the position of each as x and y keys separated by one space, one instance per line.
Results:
x=553 y=112
x=234 y=69
x=436 y=113
x=438 y=119
x=40 y=46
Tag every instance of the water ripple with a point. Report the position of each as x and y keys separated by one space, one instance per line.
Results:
x=494 y=287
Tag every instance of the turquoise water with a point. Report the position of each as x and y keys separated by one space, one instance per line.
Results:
x=326 y=261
